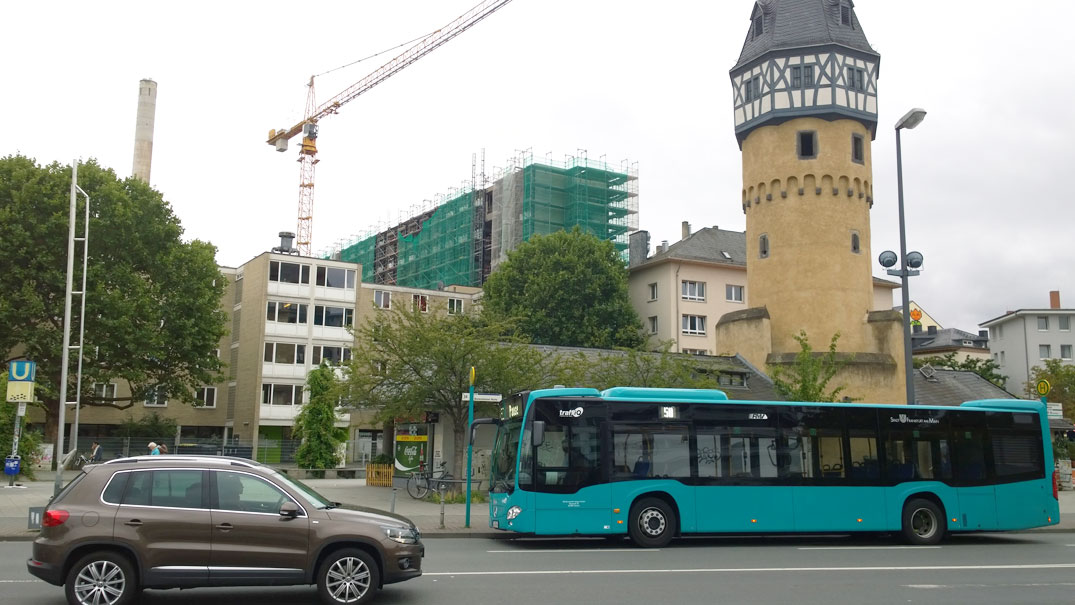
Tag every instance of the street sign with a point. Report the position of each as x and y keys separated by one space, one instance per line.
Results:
x=21 y=371
x=489 y=397
x=1056 y=410
x=1043 y=387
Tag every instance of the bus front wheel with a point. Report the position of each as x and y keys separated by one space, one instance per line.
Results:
x=923 y=522
x=653 y=523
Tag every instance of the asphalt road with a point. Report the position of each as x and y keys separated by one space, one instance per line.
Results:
x=988 y=568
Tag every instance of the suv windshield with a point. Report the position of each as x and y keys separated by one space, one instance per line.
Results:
x=504 y=452
x=305 y=491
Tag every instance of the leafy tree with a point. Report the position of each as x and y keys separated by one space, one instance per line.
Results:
x=808 y=377
x=986 y=368
x=316 y=426
x=152 y=426
x=1061 y=377
x=659 y=369
x=29 y=439
x=152 y=307
x=567 y=289
x=407 y=362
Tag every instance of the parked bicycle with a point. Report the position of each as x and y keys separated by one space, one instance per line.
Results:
x=421 y=481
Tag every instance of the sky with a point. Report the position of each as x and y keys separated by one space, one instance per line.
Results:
x=618 y=80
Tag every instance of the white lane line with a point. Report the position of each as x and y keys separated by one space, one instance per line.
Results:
x=752 y=569
x=1035 y=585
x=864 y=547
x=18 y=581
x=562 y=550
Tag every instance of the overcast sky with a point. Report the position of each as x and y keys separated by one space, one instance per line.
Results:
x=985 y=175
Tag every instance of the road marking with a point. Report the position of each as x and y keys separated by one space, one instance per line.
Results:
x=561 y=550
x=753 y=569
x=18 y=581
x=1034 y=585
x=863 y=547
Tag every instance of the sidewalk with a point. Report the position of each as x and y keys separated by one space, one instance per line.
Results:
x=15 y=503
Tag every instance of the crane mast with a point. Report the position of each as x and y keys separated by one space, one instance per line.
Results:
x=314 y=113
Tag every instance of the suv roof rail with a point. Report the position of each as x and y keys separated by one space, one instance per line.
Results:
x=188 y=457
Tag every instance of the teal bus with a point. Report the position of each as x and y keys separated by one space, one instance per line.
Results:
x=654 y=464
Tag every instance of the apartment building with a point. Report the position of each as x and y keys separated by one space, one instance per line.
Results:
x=1022 y=339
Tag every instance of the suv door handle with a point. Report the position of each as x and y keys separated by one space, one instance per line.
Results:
x=224 y=526
x=133 y=522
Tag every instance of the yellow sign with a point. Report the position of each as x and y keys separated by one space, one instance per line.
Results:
x=1044 y=387
x=471 y=375
x=412 y=437
x=20 y=391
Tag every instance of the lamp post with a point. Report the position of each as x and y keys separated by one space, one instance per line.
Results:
x=909 y=262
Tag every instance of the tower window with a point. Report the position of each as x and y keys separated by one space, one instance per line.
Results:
x=857 y=149
x=845 y=15
x=758 y=27
x=808 y=76
x=807 y=144
x=763 y=246
x=796 y=77
x=855 y=242
x=856 y=79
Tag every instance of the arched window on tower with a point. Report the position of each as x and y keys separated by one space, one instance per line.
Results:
x=855 y=247
x=763 y=246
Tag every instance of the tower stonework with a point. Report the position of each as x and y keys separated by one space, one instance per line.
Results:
x=805 y=107
x=143 y=130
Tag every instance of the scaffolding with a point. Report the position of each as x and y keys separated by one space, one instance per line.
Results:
x=469 y=231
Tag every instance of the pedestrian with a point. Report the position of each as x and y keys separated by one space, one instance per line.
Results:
x=153 y=449
x=95 y=452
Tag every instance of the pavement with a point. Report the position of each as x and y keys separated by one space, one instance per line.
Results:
x=433 y=519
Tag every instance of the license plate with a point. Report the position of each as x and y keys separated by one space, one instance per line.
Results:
x=496 y=524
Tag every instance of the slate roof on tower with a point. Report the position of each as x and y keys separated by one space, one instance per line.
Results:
x=788 y=24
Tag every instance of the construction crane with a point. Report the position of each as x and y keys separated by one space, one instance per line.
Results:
x=314 y=113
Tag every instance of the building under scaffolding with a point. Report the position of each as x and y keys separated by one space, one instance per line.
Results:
x=463 y=238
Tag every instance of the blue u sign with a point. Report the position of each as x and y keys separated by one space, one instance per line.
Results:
x=11 y=465
x=21 y=371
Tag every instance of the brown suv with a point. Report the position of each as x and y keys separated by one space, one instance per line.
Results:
x=188 y=521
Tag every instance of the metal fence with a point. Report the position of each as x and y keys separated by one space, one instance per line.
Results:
x=269 y=451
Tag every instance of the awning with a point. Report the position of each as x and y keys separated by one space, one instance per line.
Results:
x=1060 y=424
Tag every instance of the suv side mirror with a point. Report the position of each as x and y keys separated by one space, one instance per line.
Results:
x=289 y=510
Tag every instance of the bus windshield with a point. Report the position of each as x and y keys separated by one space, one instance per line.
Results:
x=505 y=451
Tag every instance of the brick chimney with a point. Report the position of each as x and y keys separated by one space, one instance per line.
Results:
x=1054 y=299
x=686 y=230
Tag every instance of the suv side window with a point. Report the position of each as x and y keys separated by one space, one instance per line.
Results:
x=171 y=488
x=113 y=493
x=247 y=493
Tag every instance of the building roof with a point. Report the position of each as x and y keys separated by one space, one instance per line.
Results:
x=1008 y=315
x=789 y=24
x=953 y=387
x=708 y=244
x=947 y=338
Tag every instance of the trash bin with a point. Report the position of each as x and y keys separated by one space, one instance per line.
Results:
x=11 y=465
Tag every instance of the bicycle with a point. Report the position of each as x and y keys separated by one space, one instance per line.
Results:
x=421 y=481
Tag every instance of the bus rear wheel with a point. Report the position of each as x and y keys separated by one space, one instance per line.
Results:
x=652 y=523
x=923 y=522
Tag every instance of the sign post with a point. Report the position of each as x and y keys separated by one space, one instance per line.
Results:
x=470 y=444
x=20 y=390
x=1044 y=387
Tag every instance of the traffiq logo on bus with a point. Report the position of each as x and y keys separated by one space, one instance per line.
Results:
x=575 y=413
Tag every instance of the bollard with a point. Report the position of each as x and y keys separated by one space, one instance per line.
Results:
x=392 y=507
x=441 y=505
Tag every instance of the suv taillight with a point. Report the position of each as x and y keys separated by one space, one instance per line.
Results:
x=53 y=518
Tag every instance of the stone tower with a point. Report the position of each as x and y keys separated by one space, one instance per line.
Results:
x=143 y=130
x=805 y=103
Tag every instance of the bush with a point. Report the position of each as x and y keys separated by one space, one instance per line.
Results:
x=456 y=497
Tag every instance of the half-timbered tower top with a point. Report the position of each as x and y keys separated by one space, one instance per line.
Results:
x=804 y=58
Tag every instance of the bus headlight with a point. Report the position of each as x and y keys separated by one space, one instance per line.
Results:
x=514 y=512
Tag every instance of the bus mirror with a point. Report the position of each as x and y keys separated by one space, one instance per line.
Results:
x=480 y=421
x=539 y=433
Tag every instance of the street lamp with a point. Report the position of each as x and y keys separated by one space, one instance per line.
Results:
x=910 y=262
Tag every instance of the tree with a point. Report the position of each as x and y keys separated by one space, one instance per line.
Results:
x=1061 y=377
x=658 y=369
x=408 y=362
x=29 y=439
x=315 y=424
x=986 y=368
x=152 y=307
x=808 y=377
x=567 y=289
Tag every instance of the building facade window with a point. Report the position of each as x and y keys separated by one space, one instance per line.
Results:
x=653 y=291
x=289 y=273
x=1043 y=323
x=335 y=317
x=455 y=306
x=1064 y=323
x=285 y=352
x=286 y=313
x=336 y=277
x=652 y=324
x=1065 y=352
x=205 y=397
x=693 y=290
x=806 y=144
x=330 y=354
x=856 y=247
x=102 y=390
x=808 y=76
x=156 y=397
x=695 y=351
x=694 y=325
x=1045 y=351
x=763 y=246
x=856 y=79
x=733 y=293
x=797 y=77
x=858 y=149
x=281 y=394
x=382 y=299
x=420 y=302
